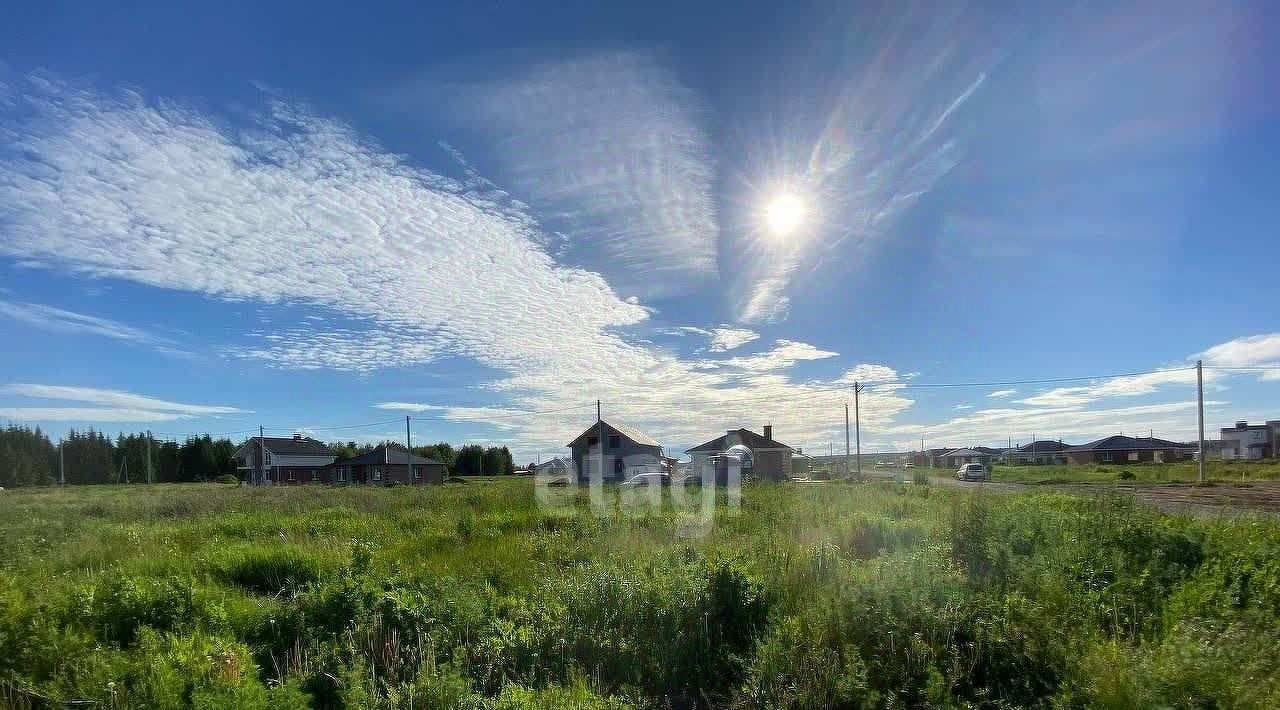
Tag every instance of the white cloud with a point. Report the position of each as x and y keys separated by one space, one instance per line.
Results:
x=1252 y=351
x=86 y=414
x=293 y=208
x=964 y=406
x=784 y=354
x=727 y=338
x=58 y=320
x=114 y=398
x=1003 y=393
x=610 y=149
x=1125 y=386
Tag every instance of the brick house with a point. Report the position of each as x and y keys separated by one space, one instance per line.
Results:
x=771 y=459
x=1128 y=449
x=386 y=465
x=272 y=460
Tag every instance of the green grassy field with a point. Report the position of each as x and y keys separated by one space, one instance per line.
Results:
x=1182 y=472
x=472 y=596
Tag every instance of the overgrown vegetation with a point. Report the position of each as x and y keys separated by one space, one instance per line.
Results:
x=1121 y=472
x=835 y=595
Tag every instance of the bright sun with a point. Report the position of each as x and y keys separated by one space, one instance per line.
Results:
x=784 y=213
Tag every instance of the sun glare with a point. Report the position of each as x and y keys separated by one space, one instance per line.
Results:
x=783 y=214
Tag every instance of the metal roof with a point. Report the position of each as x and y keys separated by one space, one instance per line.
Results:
x=385 y=455
x=745 y=436
x=626 y=430
x=289 y=446
x=1119 y=442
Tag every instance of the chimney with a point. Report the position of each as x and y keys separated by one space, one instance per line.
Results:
x=1242 y=425
x=768 y=431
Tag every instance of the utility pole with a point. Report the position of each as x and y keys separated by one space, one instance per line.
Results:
x=846 y=436
x=1200 y=410
x=857 y=428
x=62 y=463
x=262 y=451
x=148 y=457
x=600 y=438
x=408 y=451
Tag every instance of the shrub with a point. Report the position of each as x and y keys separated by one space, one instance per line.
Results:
x=228 y=479
x=271 y=570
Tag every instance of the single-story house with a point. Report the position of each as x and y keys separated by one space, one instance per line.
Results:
x=770 y=459
x=386 y=465
x=801 y=463
x=1039 y=453
x=958 y=457
x=267 y=460
x=930 y=458
x=1128 y=449
x=554 y=468
x=627 y=451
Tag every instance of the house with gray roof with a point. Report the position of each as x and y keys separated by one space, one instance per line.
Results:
x=1128 y=449
x=387 y=465
x=268 y=460
x=627 y=451
x=770 y=459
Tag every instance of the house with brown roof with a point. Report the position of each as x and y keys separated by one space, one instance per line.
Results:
x=769 y=459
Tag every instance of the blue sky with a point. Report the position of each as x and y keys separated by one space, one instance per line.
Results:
x=312 y=217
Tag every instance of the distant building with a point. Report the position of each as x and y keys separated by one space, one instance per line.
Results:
x=801 y=463
x=627 y=451
x=958 y=457
x=274 y=460
x=1128 y=449
x=1039 y=453
x=555 y=467
x=930 y=458
x=386 y=465
x=769 y=459
x=1250 y=442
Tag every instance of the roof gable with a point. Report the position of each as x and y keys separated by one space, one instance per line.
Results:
x=744 y=436
x=618 y=428
x=1120 y=442
x=289 y=446
x=385 y=455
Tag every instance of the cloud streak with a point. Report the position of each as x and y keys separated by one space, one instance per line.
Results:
x=611 y=151
x=58 y=320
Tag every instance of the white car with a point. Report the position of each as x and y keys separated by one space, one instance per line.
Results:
x=647 y=479
x=908 y=465
x=973 y=472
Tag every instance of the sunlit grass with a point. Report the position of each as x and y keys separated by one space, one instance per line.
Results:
x=471 y=596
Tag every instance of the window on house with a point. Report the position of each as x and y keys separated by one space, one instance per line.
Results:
x=1105 y=456
x=593 y=440
x=267 y=458
x=293 y=475
x=315 y=475
x=417 y=473
x=615 y=441
x=618 y=465
x=1133 y=455
x=377 y=474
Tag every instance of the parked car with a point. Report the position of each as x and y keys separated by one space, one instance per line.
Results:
x=908 y=465
x=973 y=472
x=647 y=479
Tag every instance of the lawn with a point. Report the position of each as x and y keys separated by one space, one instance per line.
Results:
x=1134 y=473
x=476 y=596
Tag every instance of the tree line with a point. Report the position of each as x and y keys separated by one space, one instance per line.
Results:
x=28 y=457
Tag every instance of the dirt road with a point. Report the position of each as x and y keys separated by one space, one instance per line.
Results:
x=1216 y=499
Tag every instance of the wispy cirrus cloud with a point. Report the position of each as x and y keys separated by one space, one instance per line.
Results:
x=610 y=150
x=269 y=211
x=999 y=394
x=58 y=320
x=111 y=405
